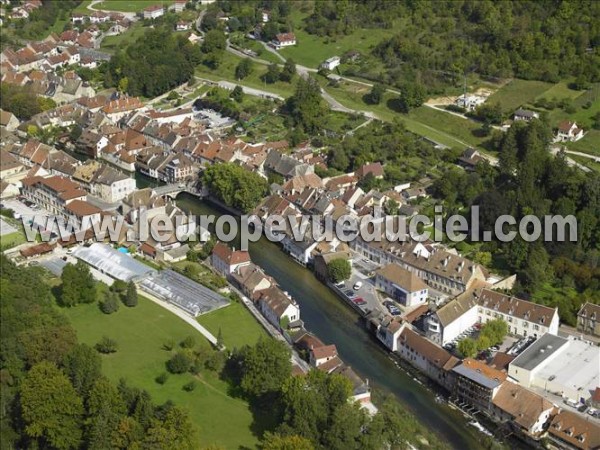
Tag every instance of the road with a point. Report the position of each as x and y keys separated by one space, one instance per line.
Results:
x=585 y=155
x=555 y=150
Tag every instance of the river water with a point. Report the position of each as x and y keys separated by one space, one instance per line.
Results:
x=335 y=323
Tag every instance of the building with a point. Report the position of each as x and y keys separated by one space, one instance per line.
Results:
x=251 y=279
x=183 y=26
x=53 y=193
x=569 y=368
x=401 y=285
x=178 y=6
x=429 y=358
x=469 y=102
x=568 y=132
x=588 y=319
x=82 y=211
x=8 y=120
x=388 y=332
x=448 y=322
x=522 y=317
x=571 y=431
x=277 y=307
x=446 y=272
x=331 y=63
x=284 y=40
x=476 y=384
x=153 y=12
x=226 y=260
x=320 y=355
x=525 y=411
x=525 y=114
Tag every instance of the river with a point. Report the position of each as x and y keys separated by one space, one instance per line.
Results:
x=334 y=323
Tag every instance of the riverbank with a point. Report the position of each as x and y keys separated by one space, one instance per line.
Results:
x=332 y=321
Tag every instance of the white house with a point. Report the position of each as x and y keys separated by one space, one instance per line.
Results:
x=178 y=6
x=452 y=319
x=469 y=102
x=277 y=307
x=226 y=260
x=403 y=286
x=284 y=40
x=389 y=331
x=568 y=132
x=331 y=63
x=153 y=12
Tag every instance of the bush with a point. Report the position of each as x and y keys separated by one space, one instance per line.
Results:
x=106 y=345
x=188 y=342
x=189 y=387
x=162 y=378
x=169 y=345
x=179 y=363
x=110 y=304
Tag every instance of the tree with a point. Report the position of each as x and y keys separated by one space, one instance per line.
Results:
x=265 y=367
x=110 y=303
x=412 y=95
x=51 y=409
x=189 y=342
x=106 y=409
x=174 y=431
x=235 y=186
x=131 y=297
x=376 y=95
x=274 y=441
x=214 y=41
x=289 y=71
x=84 y=367
x=78 y=285
x=495 y=330
x=467 y=347
x=244 y=68
x=106 y=345
x=162 y=378
x=180 y=362
x=391 y=207
x=272 y=74
x=339 y=270
x=306 y=107
x=237 y=94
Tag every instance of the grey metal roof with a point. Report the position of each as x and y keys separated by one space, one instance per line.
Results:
x=539 y=351
x=184 y=293
x=108 y=260
x=477 y=377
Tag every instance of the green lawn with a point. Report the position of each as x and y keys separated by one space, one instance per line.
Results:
x=130 y=5
x=586 y=162
x=238 y=326
x=111 y=44
x=517 y=93
x=12 y=240
x=140 y=333
x=589 y=144
x=226 y=71
x=559 y=91
x=312 y=50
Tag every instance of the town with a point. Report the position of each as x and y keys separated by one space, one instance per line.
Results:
x=129 y=114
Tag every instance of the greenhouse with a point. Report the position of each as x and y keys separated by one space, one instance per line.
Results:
x=182 y=292
x=117 y=265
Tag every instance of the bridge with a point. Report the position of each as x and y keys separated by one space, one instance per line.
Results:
x=174 y=189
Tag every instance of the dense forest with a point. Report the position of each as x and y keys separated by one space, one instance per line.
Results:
x=529 y=181
x=53 y=392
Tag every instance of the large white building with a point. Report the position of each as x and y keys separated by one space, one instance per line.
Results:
x=448 y=322
x=401 y=285
x=523 y=318
x=569 y=368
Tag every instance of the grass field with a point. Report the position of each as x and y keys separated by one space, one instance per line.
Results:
x=226 y=71
x=586 y=162
x=111 y=44
x=517 y=93
x=237 y=325
x=130 y=5
x=140 y=333
x=312 y=50
x=589 y=144
x=12 y=240
x=559 y=91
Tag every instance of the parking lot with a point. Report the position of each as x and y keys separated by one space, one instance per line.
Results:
x=20 y=209
x=364 y=296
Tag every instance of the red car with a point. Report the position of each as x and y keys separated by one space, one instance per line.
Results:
x=359 y=301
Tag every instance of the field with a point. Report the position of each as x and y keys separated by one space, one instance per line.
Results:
x=226 y=71
x=129 y=5
x=560 y=91
x=312 y=50
x=111 y=44
x=517 y=93
x=237 y=325
x=589 y=144
x=590 y=163
x=140 y=333
x=11 y=240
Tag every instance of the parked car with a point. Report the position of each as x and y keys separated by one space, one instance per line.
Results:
x=340 y=284
x=359 y=301
x=350 y=294
x=358 y=285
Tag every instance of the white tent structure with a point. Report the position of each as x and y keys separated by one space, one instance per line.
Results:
x=112 y=262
